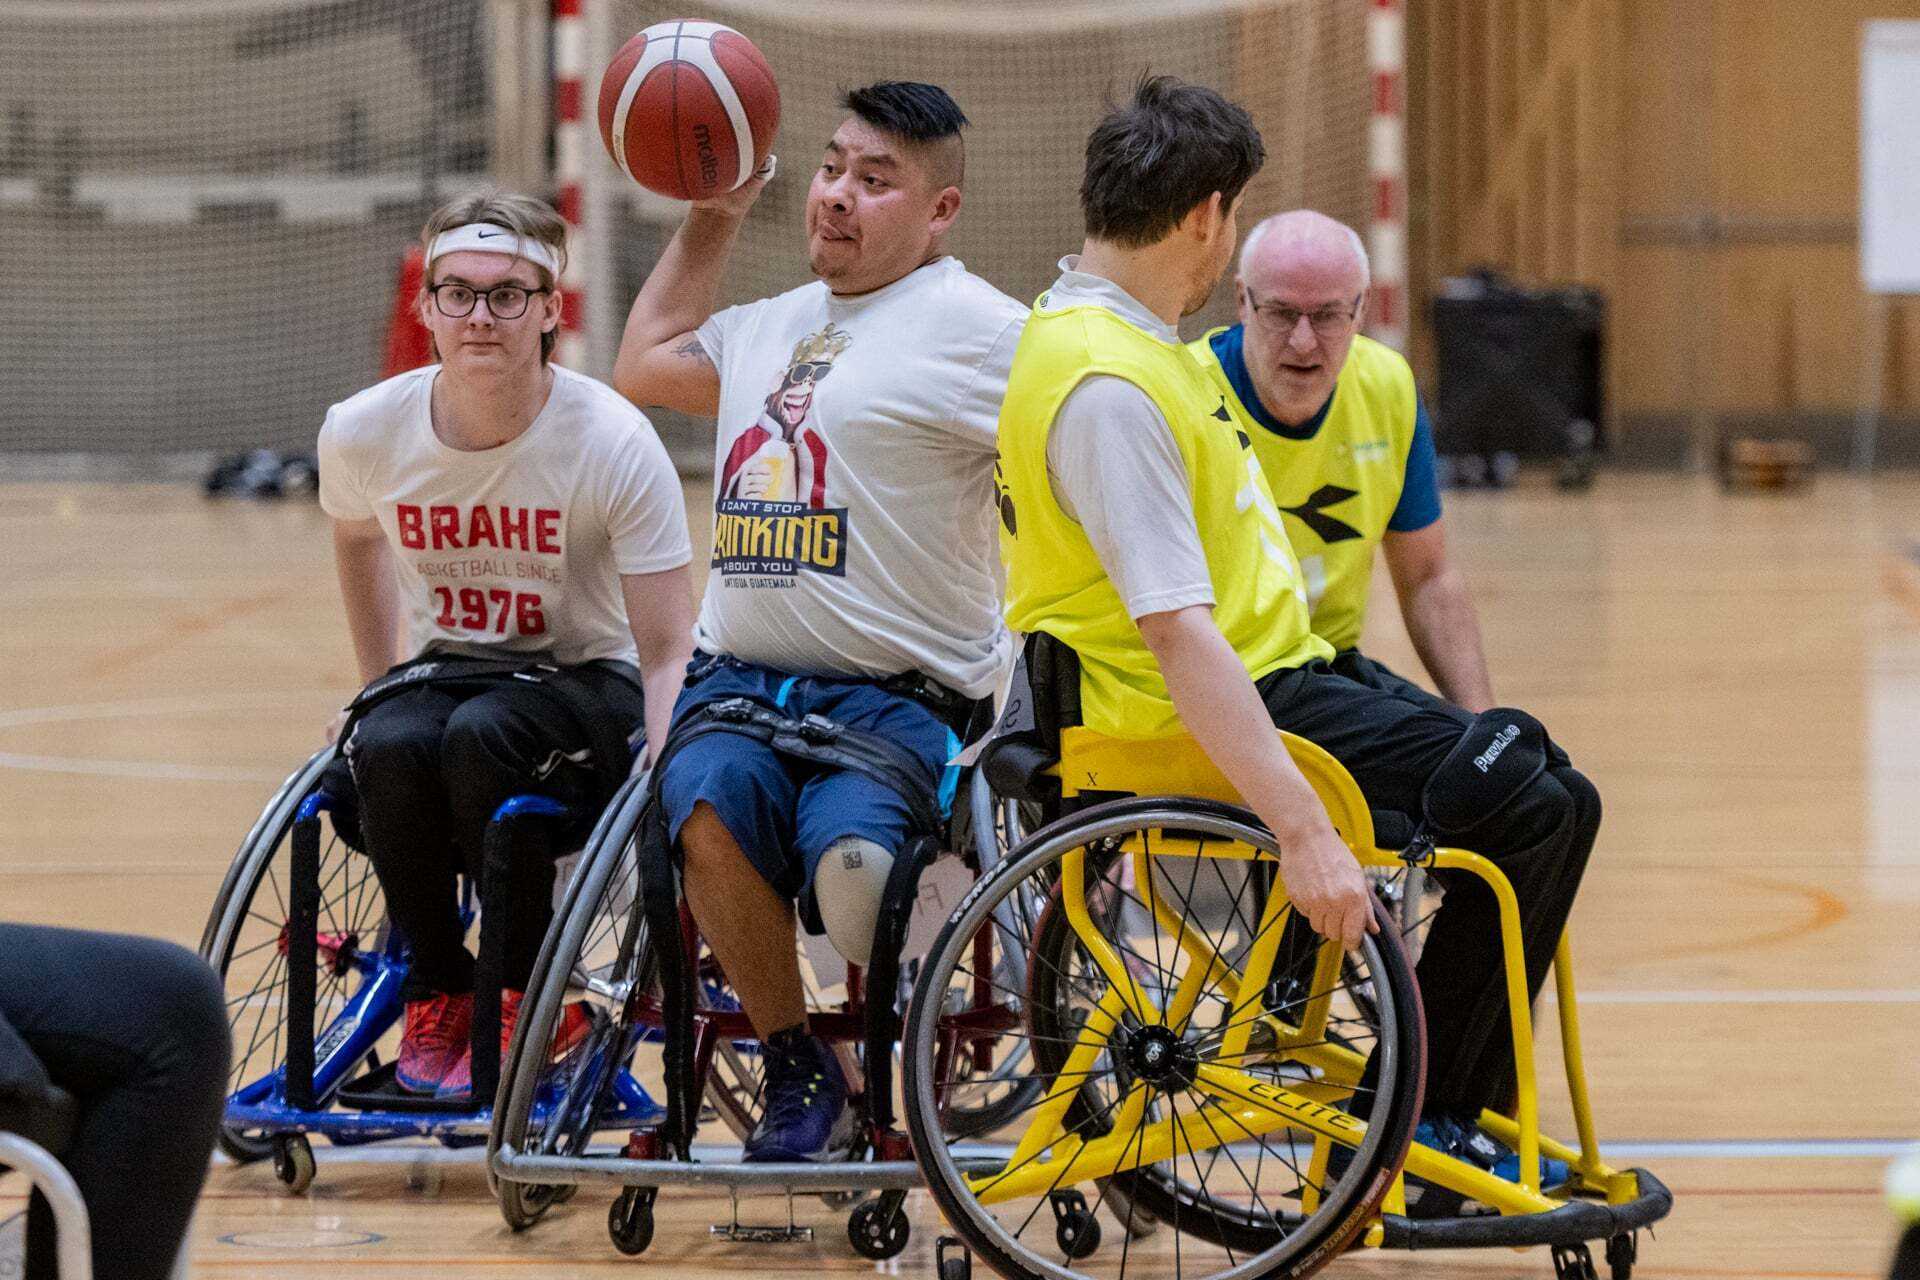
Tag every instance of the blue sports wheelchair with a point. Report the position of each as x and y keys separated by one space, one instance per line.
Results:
x=313 y=972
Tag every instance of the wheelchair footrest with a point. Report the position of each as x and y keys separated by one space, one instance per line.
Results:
x=1575 y=1222
x=378 y=1090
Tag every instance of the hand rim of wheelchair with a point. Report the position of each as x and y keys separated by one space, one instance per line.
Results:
x=1353 y=1197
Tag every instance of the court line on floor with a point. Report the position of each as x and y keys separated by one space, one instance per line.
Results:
x=176 y=632
x=1902 y=579
x=426 y=1153
x=1884 y=995
x=71 y=711
x=149 y=770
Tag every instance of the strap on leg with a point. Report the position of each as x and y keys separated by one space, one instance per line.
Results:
x=883 y=973
x=303 y=919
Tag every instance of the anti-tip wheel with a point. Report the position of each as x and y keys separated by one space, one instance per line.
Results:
x=1622 y=1252
x=878 y=1229
x=293 y=1162
x=630 y=1220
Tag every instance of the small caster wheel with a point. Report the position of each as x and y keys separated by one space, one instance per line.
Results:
x=878 y=1229
x=630 y=1220
x=1622 y=1252
x=293 y=1161
x=1573 y=1262
x=1075 y=1229
x=952 y=1260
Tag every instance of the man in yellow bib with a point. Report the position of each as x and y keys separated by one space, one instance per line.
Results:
x=1346 y=447
x=1140 y=533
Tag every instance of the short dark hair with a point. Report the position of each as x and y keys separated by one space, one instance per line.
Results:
x=907 y=109
x=1151 y=161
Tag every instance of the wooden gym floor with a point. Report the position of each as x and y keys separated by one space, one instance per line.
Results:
x=1739 y=675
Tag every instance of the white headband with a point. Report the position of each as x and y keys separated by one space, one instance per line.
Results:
x=485 y=237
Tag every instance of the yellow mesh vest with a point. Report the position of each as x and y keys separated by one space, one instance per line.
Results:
x=1055 y=583
x=1338 y=489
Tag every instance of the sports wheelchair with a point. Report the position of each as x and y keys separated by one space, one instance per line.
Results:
x=626 y=942
x=1249 y=1087
x=313 y=972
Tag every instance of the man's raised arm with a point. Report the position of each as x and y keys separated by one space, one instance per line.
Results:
x=661 y=362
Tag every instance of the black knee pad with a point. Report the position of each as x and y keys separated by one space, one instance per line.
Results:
x=1496 y=759
x=1586 y=797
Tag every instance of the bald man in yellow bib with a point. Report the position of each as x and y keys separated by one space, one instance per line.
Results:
x=1339 y=430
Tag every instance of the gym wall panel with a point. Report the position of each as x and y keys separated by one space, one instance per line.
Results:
x=1712 y=193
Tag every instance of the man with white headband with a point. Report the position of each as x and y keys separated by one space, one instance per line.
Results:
x=513 y=535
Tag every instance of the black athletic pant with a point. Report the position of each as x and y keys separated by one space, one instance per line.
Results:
x=430 y=766
x=1391 y=741
x=136 y=1030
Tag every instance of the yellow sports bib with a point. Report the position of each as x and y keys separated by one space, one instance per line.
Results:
x=1055 y=582
x=1339 y=487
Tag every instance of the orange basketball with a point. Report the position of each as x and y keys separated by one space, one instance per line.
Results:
x=688 y=109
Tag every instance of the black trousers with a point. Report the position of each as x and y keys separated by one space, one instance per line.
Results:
x=430 y=766
x=1390 y=735
x=136 y=1030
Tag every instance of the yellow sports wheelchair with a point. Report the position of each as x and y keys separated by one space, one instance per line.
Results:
x=1240 y=1094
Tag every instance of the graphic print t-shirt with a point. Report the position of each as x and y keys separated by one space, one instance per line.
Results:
x=853 y=529
x=519 y=548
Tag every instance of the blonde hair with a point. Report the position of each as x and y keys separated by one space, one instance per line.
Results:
x=525 y=216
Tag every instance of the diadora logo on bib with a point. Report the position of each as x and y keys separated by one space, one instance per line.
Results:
x=1312 y=513
x=1501 y=741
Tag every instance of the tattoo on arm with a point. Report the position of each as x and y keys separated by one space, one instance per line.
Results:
x=691 y=348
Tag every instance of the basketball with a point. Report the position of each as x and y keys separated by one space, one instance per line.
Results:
x=689 y=109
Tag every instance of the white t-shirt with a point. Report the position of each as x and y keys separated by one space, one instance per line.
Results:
x=514 y=549
x=854 y=521
x=1114 y=467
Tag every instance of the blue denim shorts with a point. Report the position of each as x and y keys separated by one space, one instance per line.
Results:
x=784 y=812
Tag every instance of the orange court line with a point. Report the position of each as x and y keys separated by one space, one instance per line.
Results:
x=1902 y=580
x=1828 y=910
x=181 y=630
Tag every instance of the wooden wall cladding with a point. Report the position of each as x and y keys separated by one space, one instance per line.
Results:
x=1696 y=160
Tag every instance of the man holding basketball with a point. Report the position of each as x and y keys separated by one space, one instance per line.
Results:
x=1140 y=533
x=853 y=573
x=1344 y=441
x=514 y=535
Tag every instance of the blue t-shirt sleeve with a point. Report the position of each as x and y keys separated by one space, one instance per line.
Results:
x=1420 y=494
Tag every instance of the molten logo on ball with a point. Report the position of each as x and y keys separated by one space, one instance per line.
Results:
x=709 y=160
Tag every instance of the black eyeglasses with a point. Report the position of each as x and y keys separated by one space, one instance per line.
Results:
x=1328 y=322
x=809 y=371
x=504 y=301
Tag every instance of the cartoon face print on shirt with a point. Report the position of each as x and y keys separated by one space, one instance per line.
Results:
x=781 y=456
x=771 y=519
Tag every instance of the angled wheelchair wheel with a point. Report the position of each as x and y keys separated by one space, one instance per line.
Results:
x=246 y=942
x=989 y=1083
x=1181 y=1059
x=596 y=955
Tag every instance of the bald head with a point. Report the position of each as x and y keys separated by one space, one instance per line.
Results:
x=1303 y=242
x=1303 y=280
